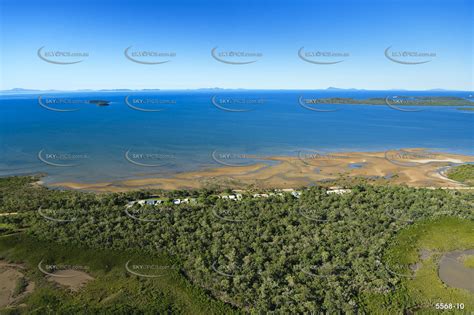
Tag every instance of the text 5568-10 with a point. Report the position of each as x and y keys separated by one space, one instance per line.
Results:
x=449 y=306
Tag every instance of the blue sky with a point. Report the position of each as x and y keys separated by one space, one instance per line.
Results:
x=277 y=29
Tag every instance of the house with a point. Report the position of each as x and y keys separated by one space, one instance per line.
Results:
x=154 y=201
x=151 y=202
x=296 y=194
x=232 y=197
x=337 y=190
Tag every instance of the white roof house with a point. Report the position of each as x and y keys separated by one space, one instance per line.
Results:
x=296 y=194
x=337 y=190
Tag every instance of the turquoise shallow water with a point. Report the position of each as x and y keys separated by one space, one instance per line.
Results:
x=196 y=129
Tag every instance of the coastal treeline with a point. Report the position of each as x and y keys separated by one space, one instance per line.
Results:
x=317 y=253
x=462 y=173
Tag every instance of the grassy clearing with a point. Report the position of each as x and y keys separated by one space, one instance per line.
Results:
x=468 y=261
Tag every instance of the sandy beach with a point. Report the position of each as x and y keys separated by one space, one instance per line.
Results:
x=412 y=167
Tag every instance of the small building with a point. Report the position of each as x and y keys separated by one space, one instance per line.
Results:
x=337 y=190
x=231 y=197
x=152 y=202
x=296 y=194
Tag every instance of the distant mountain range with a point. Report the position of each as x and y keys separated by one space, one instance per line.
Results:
x=331 y=88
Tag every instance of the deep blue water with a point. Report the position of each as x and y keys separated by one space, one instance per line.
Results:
x=184 y=135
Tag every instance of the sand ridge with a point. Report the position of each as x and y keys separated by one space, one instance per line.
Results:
x=413 y=167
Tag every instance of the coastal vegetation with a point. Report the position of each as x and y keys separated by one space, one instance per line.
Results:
x=113 y=290
x=462 y=173
x=468 y=261
x=414 y=254
x=321 y=252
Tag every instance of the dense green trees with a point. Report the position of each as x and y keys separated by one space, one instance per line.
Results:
x=317 y=253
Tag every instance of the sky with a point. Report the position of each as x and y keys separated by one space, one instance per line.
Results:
x=357 y=31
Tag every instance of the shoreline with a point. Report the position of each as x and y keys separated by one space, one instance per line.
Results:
x=413 y=167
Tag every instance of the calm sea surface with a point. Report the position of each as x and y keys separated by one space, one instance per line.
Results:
x=197 y=129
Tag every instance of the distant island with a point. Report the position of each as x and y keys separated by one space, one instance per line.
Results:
x=396 y=101
x=99 y=102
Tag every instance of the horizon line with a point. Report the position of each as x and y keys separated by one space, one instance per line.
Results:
x=219 y=88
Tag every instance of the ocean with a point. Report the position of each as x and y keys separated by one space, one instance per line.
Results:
x=160 y=133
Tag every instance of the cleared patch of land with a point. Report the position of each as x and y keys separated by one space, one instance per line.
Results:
x=74 y=280
x=13 y=285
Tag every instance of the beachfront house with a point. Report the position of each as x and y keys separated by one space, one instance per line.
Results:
x=337 y=190
x=152 y=202
x=234 y=197
x=261 y=195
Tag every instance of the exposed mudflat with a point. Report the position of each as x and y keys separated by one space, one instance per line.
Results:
x=454 y=273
